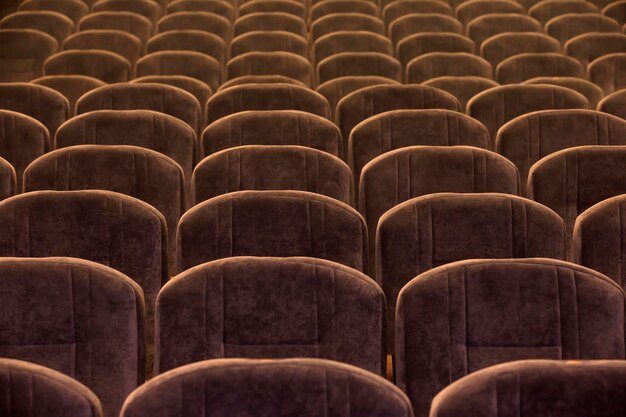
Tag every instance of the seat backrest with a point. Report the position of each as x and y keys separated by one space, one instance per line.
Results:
x=592 y=92
x=470 y=10
x=504 y=45
x=74 y=9
x=133 y=23
x=614 y=104
x=208 y=22
x=189 y=40
x=498 y=105
x=8 y=180
x=414 y=23
x=326 y=7
x=190 y=63
x=293 y=387
x=484 y=27
x=83 y=319
x=269 y=40
x=195 y=87
x=536 y=309
x=54 y=24
x=286 y=295
x=271 y=63
x=272 y=167
x=546 y=10
x=568 y=26
x=422 y=43
x=147 y=8
x=336 y=89
x=272 y=223
x=260 y=79
x=440 y=64
x=463 y=87
x=103 y=65
x=522 y=67
x=608 y=72
x=346 y=21
x=23 y=54
x=350 y=41
x=359 y=64
x=589 y=46
x=399 y=8
x=616 y=10
x=269 y=21
x=220 y=8
x=292 y=7
x=71 y=86
x=120 y=42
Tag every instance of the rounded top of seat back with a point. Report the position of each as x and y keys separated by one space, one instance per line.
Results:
x=399 y=8
x=269 y=40
x=422 y=43
x=260 y=79
x=23 y=54
x=295 y=8
x=350 y=41
x=221 y=8
x=55 y=24
x=413 y=23
x=483 y=27
x=614 y=104
x=359 y=64
x=470 y=10
x=326 y=7
x=607 y=72
x=120 y=42
x=134 y=23
x=521 y=67
x=197 y=88
x=592 y=92
x=150 y=9
x=269 y=21
x=463 y=87
x=103 y=65
x=436 y=64
x=570 y=25
x=271 y=63
x=590 y=46
x=346 y=21
x=74 y=9
x=504 y=45
x=208 y=22
x=336 y=89
x=548 y=9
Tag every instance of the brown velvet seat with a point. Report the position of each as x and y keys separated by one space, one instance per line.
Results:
x=265 y=97
x=414 y=23
x=272 y=223
x=345 y=64
x=572 y=180
x=189 y=63
x=271 y=63
x=133 y=23
x=272 y=167
x=440 y=64
x=486 y=26
x=498 y=105
x=568 y=26
x=260 y=79
x=8 y=180
x=71 y=86
x=122 y=43
x=350 y=41
x=188 y=40
x=146 y=8
x=535 y=309
x=83 y=319
x=373 y=100
x=197 y=88
x=589 y=46
x=336 y=89
x=269 y=21
x=301 y=307
x=138 y=172
x=402 y=174
x=546 y=10
x=470 y=10
x=103 y=65
x=422 y=43
x=291 y=387
x=23 y=54
x=346 y=21
x=41 y=103
x=504 y=45
x=609 y=72
x=399 y=8
x=54 y=24
x=269 y=40
x=592 y=92
x=616 y=10
x=463 y=88
x=217 y=7
x=271 y=127
x=208 y=22
x=326 y=7
x=158 y=97
x=74 y=9
x=293 y=7
x=614 y=104
x=522 y=67
x=50 y=392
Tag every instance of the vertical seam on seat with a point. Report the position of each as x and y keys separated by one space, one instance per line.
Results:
x=558 y=299
x=577 y=318
x=449 y=329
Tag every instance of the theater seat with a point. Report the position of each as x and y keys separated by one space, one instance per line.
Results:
x=8 y=180
x=399 y=8
x=536 y=309
x=336 y=89
x=260 y=79
x=346 y=64
x=23 y=54
x=504 y=45
x=440 y=64
x=220 y=8
x=74 y=9
x=197 y=88
x=71 y=86
x=102 y=65
x=269 y=21
x=470 y=10
x=546 y=10
x=616 y=10
x=422 y=43
x=568 y=26
x=414 y=23
x=208 y=22
x=592 y=92
x=326 y=7
x=522 y=67
x=486 y=26
x=54 y=24
x=609 y=72
x=292 y=7
x=463 y=88
x=190 y=63
x=122 y=43
x=270 y=40
x=589 y=46
x=350 y=41
x=126 y=21
x=146 y=8
x=188 y=40
x=345 y=21
x=614 y=104
x=271 y=63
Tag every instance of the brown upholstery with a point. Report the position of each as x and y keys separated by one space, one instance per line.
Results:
x=484 y=27
x=197 y=88
x=522 y=67
x=272 y=223
x=272 y=167
x=74 y=9
x=270 y=40
x=463 y=317
x=346 y=21
x=530 y=137
x=303 y=307
x=359 y=64
x=463 y=88
x=609 y=72
x=350 y=41
x=470 y=10
x=616 y=10
x=326 y=7
x=126 y=21
x=221 y=8
x=260 y=79
x=208 y=22
x=568 y=26
x=271 y=63
x=504 y=45
x=147 y=8
x=271 y=127
x=54 y=24
x=336 y=89
x=498 y=105
x=8 y=180
x=158 y=97
x=8 y=7
x=269 y=21
x=71 y=86
x=441 y=64
x=289 y=387
x=588 y=47
x=546 y=10
x=23 y=54
x=399 y=8
x=592 y=92
x=422 y=43
x=41 y=103
x=122 y=43
x=50 y=392
x=190 y=63
x=189 y=40
x=614 y=104
x=293 y=7
x=413 y=23
x=265 y=97
x=103 y=65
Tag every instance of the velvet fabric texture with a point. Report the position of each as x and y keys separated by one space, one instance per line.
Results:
x=397 y=9
x=29 y=389
x=440 y=64
x=260 y=79
x=77 y=317
x=470 y=10
x=22 y=140
x=271 y=63
x=525 y=66
x=413 y=23
x=324 y=8
x=617 y=11
x=272 y=167
x=401 y=174
x=220 y=8
x=608 y=72
x=539 y=387
x=303 y=307
x=346 y=21
x=157 y=97
x=126 y=21
x=433 y=230
x=588 y=47
x=41 y=103
x=271 y=127
x=197 y=88
x=370 y=101
x=149 y=9
x=285 y=6
x=569 y=26
x=469 y=315
x=71 y=86
x=498 y=105
x=265 y=97
x=189 y=40
x=422 y=43
x=272 y=223
x=359 y=64
x=504 y=45
x=8 y=180
x=572 y=180
x=592 y=92
x=350 y=41
x=23 y=54
x=544 y=11
x=530 y=137
x=138 y=172
x=486 y=26
x=103 y=65
x=122 y=43
x=74 y=9
x=263 y=388
x=208 y=22
x=463 y=87
x=274 y=40
x=270 y=21
x=614 y=104
x=54 y=24
x=336 y=89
